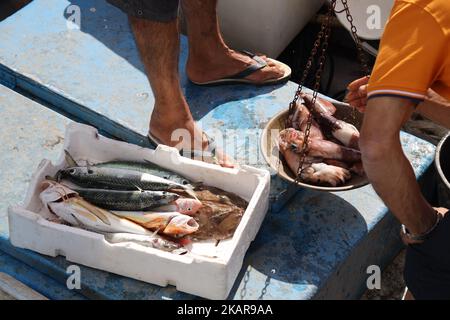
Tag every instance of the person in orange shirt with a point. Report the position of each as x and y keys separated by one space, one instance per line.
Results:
x=411 y=73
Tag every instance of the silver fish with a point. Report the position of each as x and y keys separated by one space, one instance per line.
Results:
x=66 y=204
x=152 y=241
x=127 y=200
x=119 y=179
x=147 y=167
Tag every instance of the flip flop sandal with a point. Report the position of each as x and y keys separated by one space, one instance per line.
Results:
x=208 y=155
x=239 y=78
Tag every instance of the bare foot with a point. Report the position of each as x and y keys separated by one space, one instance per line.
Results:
x=178 y=129
x=225 y=63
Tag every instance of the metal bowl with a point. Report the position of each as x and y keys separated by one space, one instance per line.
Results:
x=442 y=160
x=271 y=153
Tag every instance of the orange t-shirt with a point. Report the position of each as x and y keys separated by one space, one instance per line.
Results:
x=414 y=51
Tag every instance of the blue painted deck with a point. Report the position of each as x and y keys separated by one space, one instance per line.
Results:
x=36 y=280
x=30 y=133
x=95 y=74
x=317 y=246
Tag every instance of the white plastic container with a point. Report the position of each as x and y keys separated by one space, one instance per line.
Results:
x=265 y=26
x=369 y=16
x=208 y=270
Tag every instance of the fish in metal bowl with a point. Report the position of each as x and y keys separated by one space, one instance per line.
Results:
x=332 y=158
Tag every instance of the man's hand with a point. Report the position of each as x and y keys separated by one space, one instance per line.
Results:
x=357 y=93
x=434 y=107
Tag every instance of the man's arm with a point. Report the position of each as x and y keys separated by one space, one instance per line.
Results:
x=387 y=167
x=435 y=108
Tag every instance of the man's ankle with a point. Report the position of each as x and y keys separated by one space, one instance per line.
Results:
x=207 y=52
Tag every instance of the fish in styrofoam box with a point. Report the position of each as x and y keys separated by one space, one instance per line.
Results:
x=208 y=270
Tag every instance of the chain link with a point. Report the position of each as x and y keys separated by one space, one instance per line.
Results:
x=305 y=145
x=310 y=61
x=324 y=34
x=361 y=54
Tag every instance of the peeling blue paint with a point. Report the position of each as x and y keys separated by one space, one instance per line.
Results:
x=95 y=75
x=295 y=255
x=36 y=280
x=317 y=246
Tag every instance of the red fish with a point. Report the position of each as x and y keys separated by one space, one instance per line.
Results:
x=291 y=138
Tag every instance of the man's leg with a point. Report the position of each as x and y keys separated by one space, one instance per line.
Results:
x=427 y=265
x=209 y=56
x=158 y=44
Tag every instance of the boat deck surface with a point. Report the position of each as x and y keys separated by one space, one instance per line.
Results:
x=311 y=245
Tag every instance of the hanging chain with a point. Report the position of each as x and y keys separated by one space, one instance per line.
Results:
x=361 y=54
x=309 y=63
x=324 y=35
x=305 y=145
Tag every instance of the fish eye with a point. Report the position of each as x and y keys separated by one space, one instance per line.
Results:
x=72 y=171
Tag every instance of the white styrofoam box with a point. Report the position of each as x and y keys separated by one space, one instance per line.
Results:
x=265 y=26
x=208 y=270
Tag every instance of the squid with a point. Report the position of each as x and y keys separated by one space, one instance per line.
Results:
x=328 y=161
x=314 y=171
x=323 y=112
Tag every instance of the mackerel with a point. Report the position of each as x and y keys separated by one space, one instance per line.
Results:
x=119 y=179
x=147 y=167
x=126 y=200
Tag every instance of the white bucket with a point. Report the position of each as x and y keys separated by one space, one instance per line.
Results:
x=264 y=26
x=442 y=162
